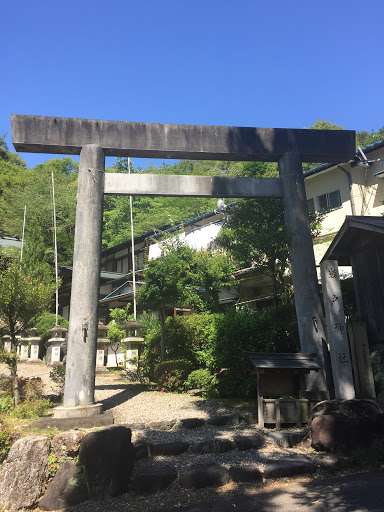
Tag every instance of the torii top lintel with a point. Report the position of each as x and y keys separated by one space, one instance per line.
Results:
x=63 y=135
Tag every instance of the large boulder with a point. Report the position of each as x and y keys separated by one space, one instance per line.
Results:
x=345 y=425
x=67 y=444
x=359 y=408
x=107 y=456
x=24 y=473
x=67 y=488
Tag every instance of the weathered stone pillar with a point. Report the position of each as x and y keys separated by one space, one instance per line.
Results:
x=337 y=331
x=82 y=333
x=305 y=283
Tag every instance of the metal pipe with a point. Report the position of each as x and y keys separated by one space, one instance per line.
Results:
x=349 y=178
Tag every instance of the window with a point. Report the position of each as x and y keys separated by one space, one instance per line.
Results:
x=329 y=201
x=311 y=205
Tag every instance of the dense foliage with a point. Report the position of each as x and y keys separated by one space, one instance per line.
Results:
x=215 y=343
x=171 y=375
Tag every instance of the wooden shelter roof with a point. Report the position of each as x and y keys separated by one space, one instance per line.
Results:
x=279 y=361
x=357 y=234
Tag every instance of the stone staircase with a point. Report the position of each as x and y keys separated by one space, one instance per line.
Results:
x=194 y=453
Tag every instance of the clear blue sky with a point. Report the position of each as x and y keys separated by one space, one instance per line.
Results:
x=276 y=63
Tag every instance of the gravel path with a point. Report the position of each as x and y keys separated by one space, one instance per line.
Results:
x=131 y=403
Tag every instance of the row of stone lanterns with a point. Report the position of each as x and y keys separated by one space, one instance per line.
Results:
x=131 y=343
x=22 y=347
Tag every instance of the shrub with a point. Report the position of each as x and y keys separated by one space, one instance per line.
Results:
x=171 y=375
x=6 y=404
x=29 y=388
x=258 y=331
x=32 y=410
x=203 y=379
x=57 y=375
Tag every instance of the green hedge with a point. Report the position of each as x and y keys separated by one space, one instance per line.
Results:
x=216 y=341
x=171 y=375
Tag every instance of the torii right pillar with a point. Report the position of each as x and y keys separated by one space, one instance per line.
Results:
x=309 y=309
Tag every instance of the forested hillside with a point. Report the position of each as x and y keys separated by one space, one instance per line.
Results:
x=20 y=185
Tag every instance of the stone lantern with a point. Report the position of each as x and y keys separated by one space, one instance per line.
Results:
x=102 y=341
x=23 y=347
x=132 y=342
x=7 y=343
x=34 y=340
x=58 y=337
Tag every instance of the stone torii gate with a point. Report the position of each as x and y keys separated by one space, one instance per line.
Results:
x=94 y=140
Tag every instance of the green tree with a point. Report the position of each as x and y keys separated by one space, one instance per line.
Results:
x=23 y=298
x=212 y=272
x=256 y=235
x=364 y=138
x=168 y=282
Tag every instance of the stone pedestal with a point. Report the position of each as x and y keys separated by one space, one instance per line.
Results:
x=34 y=341
x=7 y=343
x=132 y=345
x=35 y=345
x=132 y=342
x=101 y=349
x=115 y=359
x=55 y=351
x=55 y=342
x=23 y=346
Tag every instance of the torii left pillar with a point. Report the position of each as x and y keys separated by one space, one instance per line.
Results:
x=82 y=334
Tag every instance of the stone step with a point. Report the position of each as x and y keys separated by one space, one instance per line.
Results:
x=198 y=476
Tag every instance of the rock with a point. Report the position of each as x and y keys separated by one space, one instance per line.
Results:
x=193 y=422
x=332 y=462
x=107 y=456
x=24 y=473
x=66 y=489
x=197 y=477
x=359 y=408
x=142 y=450
x=339 y=433
x=289 y=466
x=287 y=438
x=248 y=473
x=220 y=421
x=244 y=443
x=154 y=479
x=162 y=425
x=213 y=446
x=171 y=448
x=67 y=444
x=327 y=433
x=251 y=418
